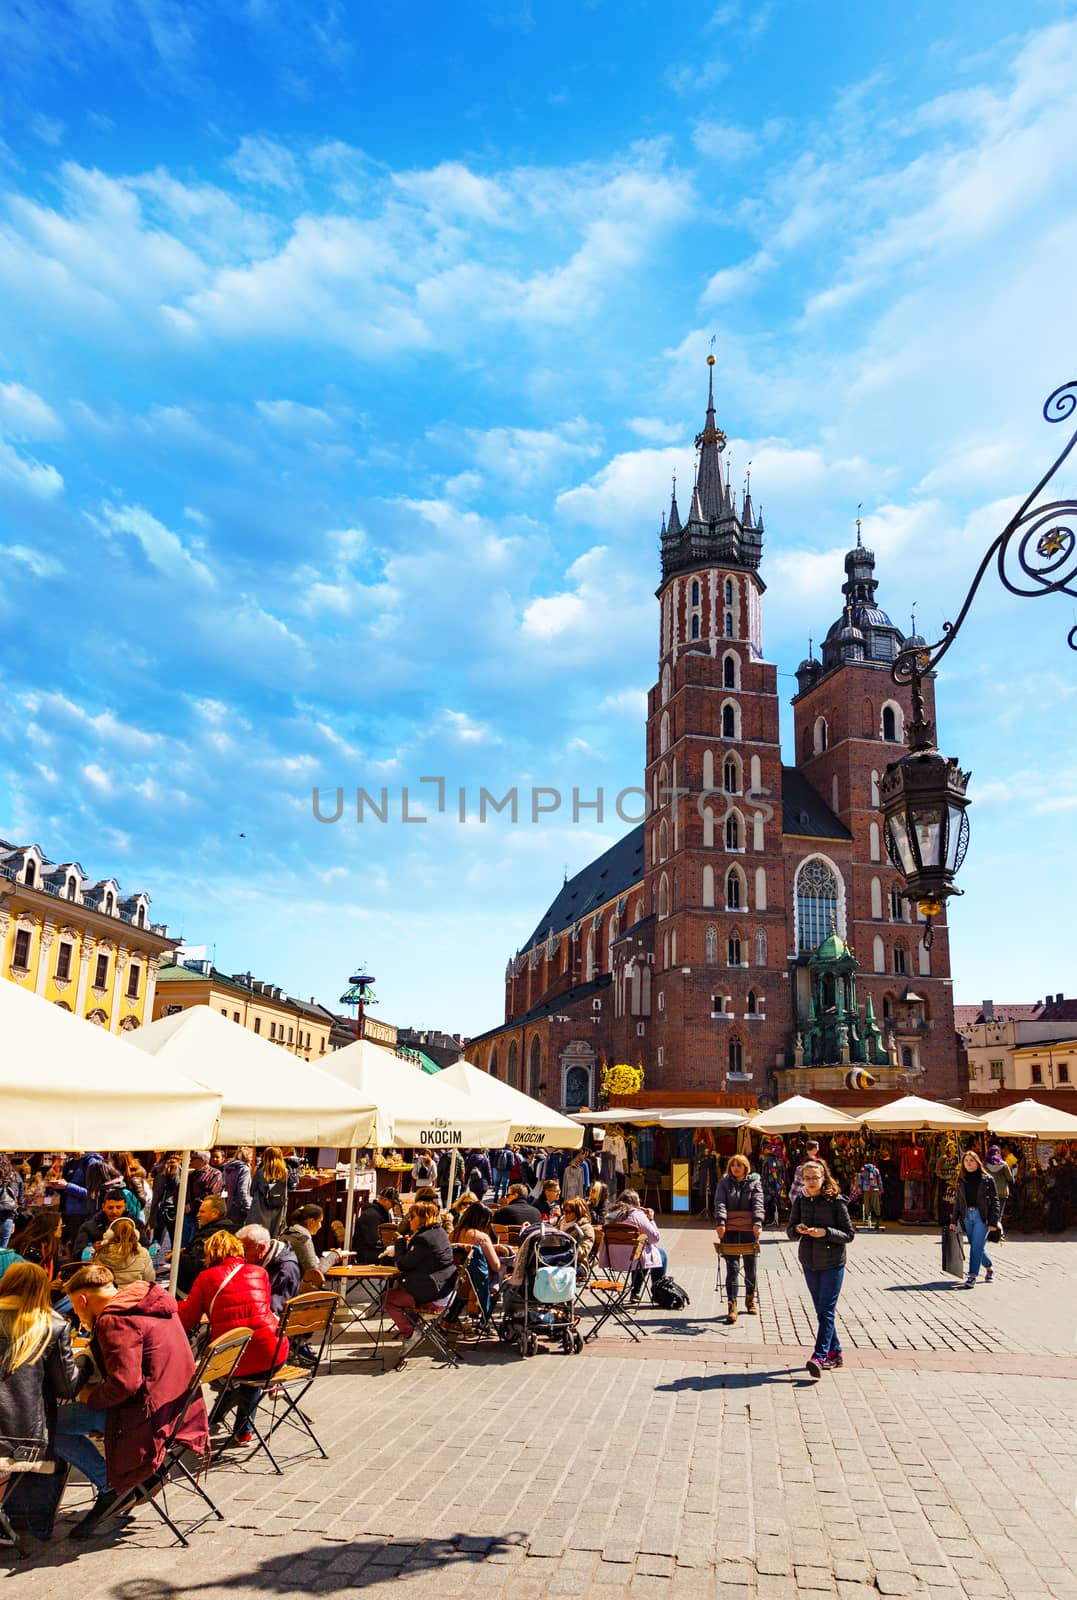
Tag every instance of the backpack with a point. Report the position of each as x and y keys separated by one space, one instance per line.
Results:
x=669 y=1295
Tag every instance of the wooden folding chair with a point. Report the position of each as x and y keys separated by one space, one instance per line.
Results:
x=217 y=1365
x=507 y=1234
x=430 y=1330
x=308 y=1317
x=30 y=1459
x=611 y=1286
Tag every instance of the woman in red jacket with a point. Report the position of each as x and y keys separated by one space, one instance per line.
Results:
x=232 y=1292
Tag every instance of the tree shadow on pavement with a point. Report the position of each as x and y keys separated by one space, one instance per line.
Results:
x=333 y=1568
x=737 y=1380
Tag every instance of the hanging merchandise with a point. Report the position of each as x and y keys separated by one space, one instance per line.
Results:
x=772 y=1170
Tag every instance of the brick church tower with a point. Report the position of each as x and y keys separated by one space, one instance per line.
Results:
x=713 y=850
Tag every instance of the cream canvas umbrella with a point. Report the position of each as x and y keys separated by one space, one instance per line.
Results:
x=66 y=1084
x=531 y=1123
x=799 y=1114
x=913 y=1113
x=1028 y=1119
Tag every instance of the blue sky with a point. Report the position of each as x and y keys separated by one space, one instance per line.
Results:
x=345 y=357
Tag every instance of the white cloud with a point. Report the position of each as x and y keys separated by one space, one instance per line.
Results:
x=104 y=726
x=729 y=282
x=466 y=730
x=265 y=164
x=631 y=489
x=725 y=141
x=526 y=456
x=655 y=431
x=548 y=617
x=28 y=475
x=630 y=703
x=164 y=549
x=25 y=415
x=292 y=417
x=453 y=190
x=41 y=565
x=97 y=778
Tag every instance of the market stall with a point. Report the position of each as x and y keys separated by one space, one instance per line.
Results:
x=1040 y=1144
x=916 y=1147
x=669 y=1153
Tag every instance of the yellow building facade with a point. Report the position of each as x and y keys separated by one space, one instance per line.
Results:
x=302 y=1029
x=84 y=945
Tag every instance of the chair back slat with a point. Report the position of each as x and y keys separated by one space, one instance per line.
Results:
x=222 y=1356
x=308 y=1314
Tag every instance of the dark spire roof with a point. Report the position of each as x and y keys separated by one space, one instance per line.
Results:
x=710 y=443
x=863 y=630
x=674 y=523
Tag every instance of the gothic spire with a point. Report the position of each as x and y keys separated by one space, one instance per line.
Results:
x=710 y=487
x=748 y=515
x=674 y=524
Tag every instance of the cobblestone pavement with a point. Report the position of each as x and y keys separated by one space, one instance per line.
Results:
x=941 y=1462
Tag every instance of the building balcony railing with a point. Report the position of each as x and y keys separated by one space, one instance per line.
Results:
x=91 y=902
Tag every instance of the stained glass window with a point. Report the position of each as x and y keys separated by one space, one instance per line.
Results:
x=817 y=903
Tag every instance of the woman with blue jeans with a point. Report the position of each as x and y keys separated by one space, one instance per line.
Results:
x=820 y=1220
x=976 y=1211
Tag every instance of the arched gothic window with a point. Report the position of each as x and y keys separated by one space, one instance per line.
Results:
x=893 y=723
x=731 y=775
x=72 y=889
x=732 y=833
x=534 y=1067
x=736 y=1056
x=733 y=949
x=665 y=684
x=729 y=591
x=760 y=948
x=901 y=959
x=729 y=673
x=695 y=591
x=663 y=840
x=663 y=735
x=663 y=896
x=710 y=946
x=512 y=1071
x=820 y=735
x=818 y=902
x=695 y=626
x=729 y=624
x=752 y=1006
x=729 y=722
x=733 y=900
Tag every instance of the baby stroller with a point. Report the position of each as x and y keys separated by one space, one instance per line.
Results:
x=543 y=1305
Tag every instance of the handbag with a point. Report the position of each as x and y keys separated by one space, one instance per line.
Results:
x=994 y=1234
x=953 y=1254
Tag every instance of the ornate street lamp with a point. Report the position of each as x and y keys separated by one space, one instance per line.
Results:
x=923 y=796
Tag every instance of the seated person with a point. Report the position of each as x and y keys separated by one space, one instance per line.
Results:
x=652 y=1264
x=486 y=1263
x=517 y=1211
x=366 y=1240
x=299 y=1235
x=427 y=1267
x=127 y=1260
x=210 y=1219
x=548 y=1200
x=598 y=1197
x=277 y=1259
x=113 y=1207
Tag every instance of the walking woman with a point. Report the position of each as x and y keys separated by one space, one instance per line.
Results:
x=269 y=1192
x=738 y=1215
x=976 y=1211
x=819 y=1218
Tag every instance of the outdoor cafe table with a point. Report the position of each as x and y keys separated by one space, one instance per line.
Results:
x=372 y=1281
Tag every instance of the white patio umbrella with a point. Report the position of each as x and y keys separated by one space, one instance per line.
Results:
x=268 y=1096
x=532 y=1122
x=913 y=1113
x=706 y=1117
x=1029 y=1119
x=800 y=1114
x=66 y=1084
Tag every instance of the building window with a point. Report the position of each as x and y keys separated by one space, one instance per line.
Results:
x=235 y=1016
x=29 y=875
x=718 y=1005
x=736 y=1056
x=224 y=1012
x=731 y=775
x=101 y=974
x=695 y=626
x=760 y=948
x=710 y=947
x=289 y=1035
x=732 y=890
x=901 y=960
x=906 y=1056
x=272 y=1030
x=641 y=1029
x=134 y=973
x=72 y=887
x=729 y=591
x=733 y=950
x=663 y=733
x=21 y=954
x=897 y=906
x=663 y=897
x=1063 y=1072
x=998 y=1070
x=753 y=1003
x=893 y=723
x=821 y=735
x=63 y=963
x=663 y=840
x=661 y=1056
x=732 y=833
x=729 y=673
x=661 y=1000
x=1037 y=1072
x=665 y=684
x=110 y=903
x=729 y=624
x=729 y=722
x=817 y=903
x=140 y=920
x=888 y=1007
x=695 y=591
x=257 y=1024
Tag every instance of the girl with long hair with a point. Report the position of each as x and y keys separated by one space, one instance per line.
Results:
x=11 y=1194
x=121 y=1251
x=37 y=1366
x=819 y=1219
x=473 y=1230
x=38 y=1241
x=976 y=1211
x=269 y=1192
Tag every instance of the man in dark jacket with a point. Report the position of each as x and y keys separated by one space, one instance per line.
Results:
x=210 y=1220
x=279 y=1260
x=479 y=1175
x=142 y=1351
x=94 y=1228
x=74 y=1187
x=517 y=1210
x=202 y=1180
x=366 y=1240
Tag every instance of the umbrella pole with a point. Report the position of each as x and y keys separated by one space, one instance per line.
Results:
x=452 y=1179
x=177 y=1231
x=349 y=1204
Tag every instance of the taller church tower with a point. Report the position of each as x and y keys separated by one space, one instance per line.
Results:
x=713 y=837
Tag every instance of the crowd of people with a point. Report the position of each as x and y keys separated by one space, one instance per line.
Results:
x=85 y=1239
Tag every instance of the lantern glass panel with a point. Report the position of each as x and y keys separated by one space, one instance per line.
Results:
x=927 y=824
x=953 y=838
x=899 y=835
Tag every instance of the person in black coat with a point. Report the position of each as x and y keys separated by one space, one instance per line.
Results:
x=517 y=1211
x=366 y=1239
x=738 y=1216
x=211 y=1217
x=819 y=1219
x=976 y=1210
x=278 y=1260
x=426 y=1264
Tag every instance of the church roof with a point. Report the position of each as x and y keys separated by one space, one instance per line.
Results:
x=805 y=812
x=833 y=948
x=617 y=869
x=548 y=1008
